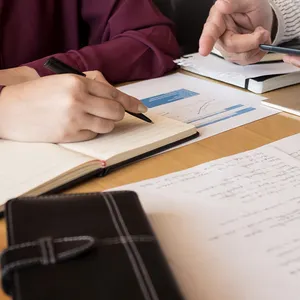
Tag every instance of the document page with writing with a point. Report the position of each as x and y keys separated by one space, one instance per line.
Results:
x=231 y=228
x=289 y=145
x=211 y=107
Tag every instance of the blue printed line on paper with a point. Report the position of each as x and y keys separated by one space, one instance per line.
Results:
x=216 y=113
x=168 y=97
x=238 y=113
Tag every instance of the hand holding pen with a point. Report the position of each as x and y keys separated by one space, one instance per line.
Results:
x=135 y=108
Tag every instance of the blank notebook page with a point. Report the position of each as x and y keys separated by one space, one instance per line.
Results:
x=25 y=166
x=131 y=134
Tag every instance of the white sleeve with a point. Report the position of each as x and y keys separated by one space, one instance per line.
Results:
x=288 y=17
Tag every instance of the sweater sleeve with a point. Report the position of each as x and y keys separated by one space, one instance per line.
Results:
x=138 y=43
x=288 y=20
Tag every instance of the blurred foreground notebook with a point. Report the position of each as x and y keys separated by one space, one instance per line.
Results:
x=37 y=168
x=270 y=74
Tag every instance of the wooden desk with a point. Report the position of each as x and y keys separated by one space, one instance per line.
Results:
x=231 y=142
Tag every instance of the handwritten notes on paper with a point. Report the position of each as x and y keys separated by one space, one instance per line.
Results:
x=237 y=229
x=246 y=177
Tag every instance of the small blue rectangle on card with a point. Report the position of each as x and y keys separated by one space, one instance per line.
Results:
x=168 y=97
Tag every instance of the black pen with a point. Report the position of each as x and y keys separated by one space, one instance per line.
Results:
x=59 y=67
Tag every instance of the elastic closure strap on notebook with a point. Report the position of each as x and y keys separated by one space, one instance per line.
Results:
x=42 y=252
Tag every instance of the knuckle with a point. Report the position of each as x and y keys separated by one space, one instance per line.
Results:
x=213 y=29
x=74 y=82
x=105 y=126
x=72 y=122
x=118 y=111
x=114 y=93
x=98 y=73
x=228 y=46
x=113 y=110
x=110 y=125
x=65 y=134
x=71 y=118
x=69 y=127
x=129 y=103
x=72 y=104
x=210 y=27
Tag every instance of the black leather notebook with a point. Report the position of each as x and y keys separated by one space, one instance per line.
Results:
x=33 y=169
x=89 y=246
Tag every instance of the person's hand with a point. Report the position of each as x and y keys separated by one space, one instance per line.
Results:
x=291 y=59
x=62 y=108
x=236 y=28
x=17 y=75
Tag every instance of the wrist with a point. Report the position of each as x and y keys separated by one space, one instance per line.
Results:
x=17 y=75
x=25 y=73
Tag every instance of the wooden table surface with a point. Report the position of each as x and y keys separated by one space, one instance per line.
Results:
x=244 y=138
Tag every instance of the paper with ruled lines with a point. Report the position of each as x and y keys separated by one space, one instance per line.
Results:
x=231 y=228
x=133 y=135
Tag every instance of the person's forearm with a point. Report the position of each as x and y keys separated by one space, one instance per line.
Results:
x=287 y=20
x=133 y=55
x=17 y=75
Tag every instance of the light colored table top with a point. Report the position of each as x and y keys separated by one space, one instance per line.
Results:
x=244 y=138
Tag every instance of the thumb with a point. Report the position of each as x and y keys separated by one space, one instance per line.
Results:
x=294 y=60
x=228 y=7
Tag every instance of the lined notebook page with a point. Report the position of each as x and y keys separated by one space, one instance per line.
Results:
x=25 y=166
x=132 y=137
x=231 y=228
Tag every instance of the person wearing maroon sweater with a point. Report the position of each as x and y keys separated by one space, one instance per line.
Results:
x=110 y=40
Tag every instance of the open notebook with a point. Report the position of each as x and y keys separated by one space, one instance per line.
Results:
x=37 y=168
x=257 y=78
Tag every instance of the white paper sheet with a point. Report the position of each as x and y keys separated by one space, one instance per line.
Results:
x=231 y=228
x=220 y=69
x=211 y=107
